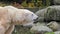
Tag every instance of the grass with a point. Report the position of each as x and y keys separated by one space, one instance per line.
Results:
x=49 y=33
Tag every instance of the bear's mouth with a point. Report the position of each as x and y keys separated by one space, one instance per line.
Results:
x=36 y=20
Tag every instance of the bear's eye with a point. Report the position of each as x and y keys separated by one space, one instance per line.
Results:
x=32 y=14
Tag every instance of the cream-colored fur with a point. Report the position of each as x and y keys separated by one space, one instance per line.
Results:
x=11 y=16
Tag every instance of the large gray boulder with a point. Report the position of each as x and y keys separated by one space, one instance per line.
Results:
x=51 y=13
x=40 y=29
x=40 y=13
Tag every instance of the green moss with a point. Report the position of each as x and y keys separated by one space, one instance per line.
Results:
x=49 y=33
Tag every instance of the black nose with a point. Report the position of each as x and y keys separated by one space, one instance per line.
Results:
x=35 y=20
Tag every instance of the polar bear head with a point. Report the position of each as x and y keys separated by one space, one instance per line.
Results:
x=24 y=17
x=30 y=17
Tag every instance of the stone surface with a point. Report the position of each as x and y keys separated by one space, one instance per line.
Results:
x=57 y=32
x=51 y=13
x=56 y=2
x=41 y=13
x=54 y=26
x=40 y=28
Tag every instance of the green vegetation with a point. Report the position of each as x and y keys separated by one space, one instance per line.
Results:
x=31 y=3
x=49 y=33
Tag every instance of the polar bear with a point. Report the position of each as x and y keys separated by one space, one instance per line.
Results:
x=11 y=16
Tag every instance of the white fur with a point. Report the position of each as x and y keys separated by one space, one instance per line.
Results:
x=28 y=15
x=11 y=16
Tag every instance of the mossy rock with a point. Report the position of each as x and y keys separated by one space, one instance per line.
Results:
x=52 y=14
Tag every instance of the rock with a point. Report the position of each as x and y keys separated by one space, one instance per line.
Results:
x=40 y=29
x=41 y=13
x=53 y=25
x=57 y=32
x=56 y=2
x=40 y=24
x=51 y=13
